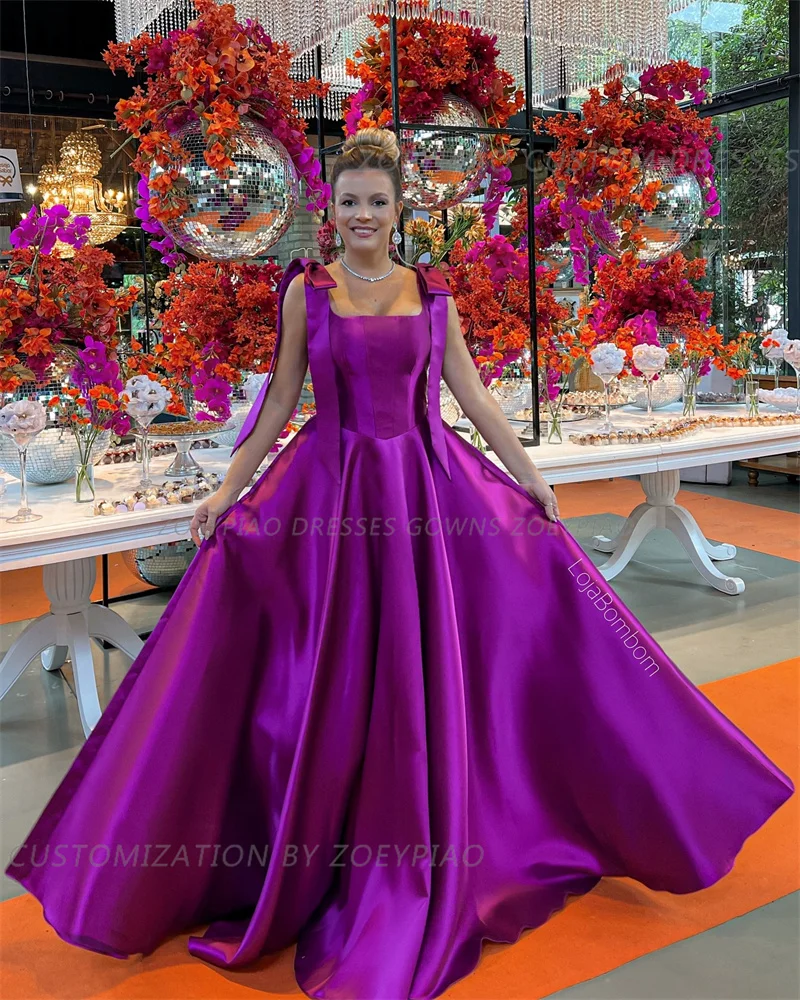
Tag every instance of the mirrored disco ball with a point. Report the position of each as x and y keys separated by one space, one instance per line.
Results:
x=441 y=169
x=243 y=214
x=52 y=455
x=448 y=404
x=162 y=565
x=674 y=221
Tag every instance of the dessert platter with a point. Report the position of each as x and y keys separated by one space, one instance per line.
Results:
x=678 y=427
x=781 y=399
x=720 y=398
x=183 y=434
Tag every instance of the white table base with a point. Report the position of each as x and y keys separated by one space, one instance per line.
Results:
x=660 y=511
x=66 y=630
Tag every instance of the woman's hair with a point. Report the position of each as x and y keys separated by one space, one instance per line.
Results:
x=374 y=148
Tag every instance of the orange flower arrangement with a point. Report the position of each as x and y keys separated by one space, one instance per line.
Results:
x=739 y=354
x=214 y=71
x=49 y=305
x=219 y=321
x=601 y=158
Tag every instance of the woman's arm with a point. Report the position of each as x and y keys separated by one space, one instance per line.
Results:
x=284 y=391
x=461 y=375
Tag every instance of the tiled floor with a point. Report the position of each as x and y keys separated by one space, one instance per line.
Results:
x=709 y=635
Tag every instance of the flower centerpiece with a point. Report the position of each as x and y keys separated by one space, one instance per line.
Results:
x=91 y=407
x=436 y=59
x=489 y=279
x=48 y=305
x=214 y=71
x=489 y=282
x=218 y=322
x=606 y=163
x=143 y=399
x=631 y=301
x=562 y=341
x=648 y=361
x=738 y=359
x=608 y=361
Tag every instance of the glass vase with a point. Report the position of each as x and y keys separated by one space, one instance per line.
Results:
x=689 y=394
x=555 y=433
x=84 y=483
x=797 y=380
x=606 y=427
x=24 y=513
x=475 y=438
x=143 y=423
x=648 y=377
x=751 y=388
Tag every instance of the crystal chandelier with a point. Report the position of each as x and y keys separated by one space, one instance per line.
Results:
x=73 y=182
x=50 y=185
x=574 y=42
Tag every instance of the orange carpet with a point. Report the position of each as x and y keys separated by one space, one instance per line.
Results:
x=22 y=595
x=742 y=524
x=616 y=923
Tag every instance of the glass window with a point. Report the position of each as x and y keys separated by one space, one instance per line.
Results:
x=746 y=245
x=740 y=41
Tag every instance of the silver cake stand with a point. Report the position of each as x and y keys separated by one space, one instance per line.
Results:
x=184 y=463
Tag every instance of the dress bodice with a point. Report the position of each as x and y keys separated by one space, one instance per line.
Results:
x=376 y=375
x=381 y=371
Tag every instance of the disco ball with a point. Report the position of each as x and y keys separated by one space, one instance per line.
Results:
x=243 y=214
x=162 y=565
x=670 y=226
x=441 y=169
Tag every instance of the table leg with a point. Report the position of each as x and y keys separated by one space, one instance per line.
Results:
x=661 y=511
x=67 y=629
x=54 y=657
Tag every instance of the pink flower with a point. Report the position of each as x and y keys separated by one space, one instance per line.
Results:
x=42 y=230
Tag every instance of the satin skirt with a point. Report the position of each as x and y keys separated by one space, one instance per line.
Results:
x=387 y=721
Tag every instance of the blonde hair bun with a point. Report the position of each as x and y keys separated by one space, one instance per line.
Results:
x=375 y=141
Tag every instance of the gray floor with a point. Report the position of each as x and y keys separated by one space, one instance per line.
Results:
x=709 y=636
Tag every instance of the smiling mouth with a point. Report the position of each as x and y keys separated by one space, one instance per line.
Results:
x=363 y=229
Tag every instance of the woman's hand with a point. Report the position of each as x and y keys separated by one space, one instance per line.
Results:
x=206 y=515
x=540 y=491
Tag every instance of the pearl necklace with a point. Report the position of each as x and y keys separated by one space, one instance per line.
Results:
x=364 y=277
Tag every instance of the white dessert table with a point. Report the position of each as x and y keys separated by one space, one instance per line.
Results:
x=65 y=543
x=658 y=466
x=69 y=537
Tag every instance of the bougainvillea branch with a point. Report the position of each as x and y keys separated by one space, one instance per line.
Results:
x=219 y=322
x=50 y=305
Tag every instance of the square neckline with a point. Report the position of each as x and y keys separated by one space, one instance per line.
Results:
x=376 y=315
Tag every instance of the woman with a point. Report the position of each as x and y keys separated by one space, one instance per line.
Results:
x=391 y=709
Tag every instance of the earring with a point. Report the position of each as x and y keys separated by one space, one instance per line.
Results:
x=338 y=238
x=397 y=239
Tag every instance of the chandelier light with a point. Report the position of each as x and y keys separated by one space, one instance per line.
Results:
x=574 y=42
x=50 y=185
x=73 y=182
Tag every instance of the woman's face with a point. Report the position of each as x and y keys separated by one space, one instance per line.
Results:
x=365 y=208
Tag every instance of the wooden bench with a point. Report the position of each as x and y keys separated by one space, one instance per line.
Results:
x=787 y=465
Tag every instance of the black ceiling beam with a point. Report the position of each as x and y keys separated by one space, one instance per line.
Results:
x=747 y=96
x=66 y=88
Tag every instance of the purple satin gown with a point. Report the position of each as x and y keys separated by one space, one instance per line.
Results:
x=390 y=711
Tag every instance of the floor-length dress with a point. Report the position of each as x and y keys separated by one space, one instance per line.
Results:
x=390 y=711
